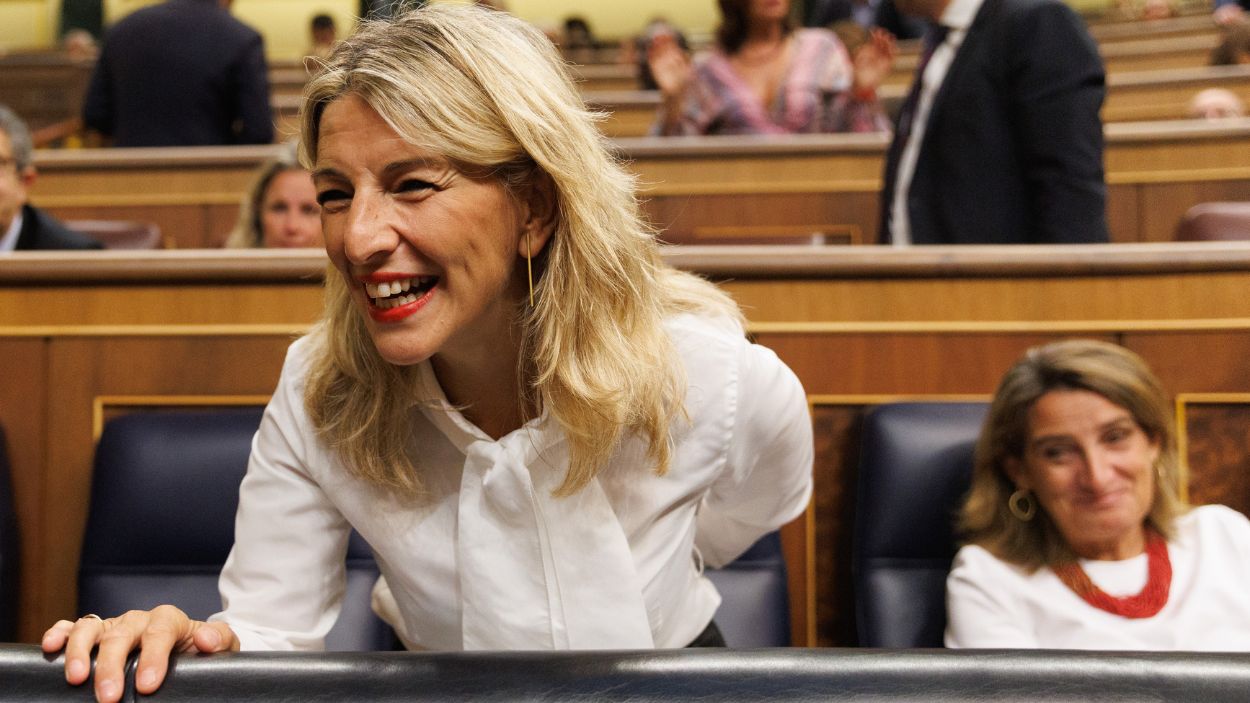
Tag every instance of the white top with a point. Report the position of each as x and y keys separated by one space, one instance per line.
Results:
x=993 y=604
x=957 y=17
x=8 y=242
x=491 y=560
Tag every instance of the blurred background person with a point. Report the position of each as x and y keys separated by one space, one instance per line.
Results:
x=1216 y=104
x=1234 y=46
x=79 y=45
x=1000 y=138
x=1229 y=12
x=280 y=209
x=181 y=73
x=323 y=35
x=23 y=226
x=636 y=51
x=867 y=14
x=764 y=78
x=1076 y=536
x=577 y=41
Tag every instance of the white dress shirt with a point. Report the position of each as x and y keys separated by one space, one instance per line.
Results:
x=957 y=17
x=490 y=559
x=994 y=604
x=8 y=242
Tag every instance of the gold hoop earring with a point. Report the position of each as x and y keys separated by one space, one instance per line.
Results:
x=1022 y=505
x=529 y=267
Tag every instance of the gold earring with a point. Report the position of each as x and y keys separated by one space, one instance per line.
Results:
x=529 y=267
x=1022 y=505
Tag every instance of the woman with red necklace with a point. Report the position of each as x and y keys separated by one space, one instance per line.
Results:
x=763 y=78
x=1076 y=538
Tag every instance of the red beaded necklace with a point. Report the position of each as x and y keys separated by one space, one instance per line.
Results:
x=1153 y=596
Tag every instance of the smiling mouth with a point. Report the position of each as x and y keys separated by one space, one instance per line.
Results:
x=404 y=291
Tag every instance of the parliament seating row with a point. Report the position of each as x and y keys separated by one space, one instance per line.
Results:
x=668 y=676
x=691 y=187
x=1162 y=94
x=87 y=337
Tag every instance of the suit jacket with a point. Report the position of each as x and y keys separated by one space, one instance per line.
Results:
x=1013 y=147
x=181 y=73
x=41 y=231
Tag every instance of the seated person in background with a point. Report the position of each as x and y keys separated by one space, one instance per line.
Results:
x=1216 y=104
x=638 y=50
x=23 y=226
x=1076 y=538
x=577 y=41
x=323 y=34
x=763 y=78
x=280 y=209
x=79 y=45
x=1230 y=12
x=867 y=14
x=1234 y=46
x=530 y=417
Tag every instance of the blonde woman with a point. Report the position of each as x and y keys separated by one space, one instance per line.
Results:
x=280 y=209
x=541 y=429
x=1076 y=537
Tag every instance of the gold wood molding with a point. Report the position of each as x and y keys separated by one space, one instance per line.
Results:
x=1003 y=327
x=157 y=330
x=102 y=402
x=834 y=400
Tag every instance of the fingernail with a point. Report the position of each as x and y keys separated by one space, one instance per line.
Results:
x=214 y=638
x=47 y=640
x=108 y=689
x=147 y=678
x=76 y=669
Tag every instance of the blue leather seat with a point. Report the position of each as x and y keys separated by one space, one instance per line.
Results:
x=9 y=549
x=915 y=467
x=161 y=521
x=755 y=605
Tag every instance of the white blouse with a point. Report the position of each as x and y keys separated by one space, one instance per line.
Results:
x=994 y=604
x=490 y=559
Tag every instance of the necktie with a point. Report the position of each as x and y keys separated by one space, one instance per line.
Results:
x=902 y=131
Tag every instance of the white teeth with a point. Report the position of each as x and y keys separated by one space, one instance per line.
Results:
x=385 y=290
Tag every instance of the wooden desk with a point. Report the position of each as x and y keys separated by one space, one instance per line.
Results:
x=87 y=336
x=1165 y=94
x=1155 y=171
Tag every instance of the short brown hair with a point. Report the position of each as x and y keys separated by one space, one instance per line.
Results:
x=731 y=34
x=1112 y=372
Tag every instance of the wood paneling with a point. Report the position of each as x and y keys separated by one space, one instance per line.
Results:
x=81 y=370
x=1217 y=438
x=1155 y=171
x=24 y=395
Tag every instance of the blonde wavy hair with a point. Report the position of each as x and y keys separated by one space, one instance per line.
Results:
x=248 y=231
x=1111 y=371
x=488 y=91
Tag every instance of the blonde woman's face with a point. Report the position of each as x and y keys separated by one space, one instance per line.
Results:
x=289 y=213
x=1091 y=467
x=430 y=255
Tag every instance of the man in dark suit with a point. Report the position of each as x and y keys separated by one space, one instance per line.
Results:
x=999 y=140
x=181 y=73
x=23 y=226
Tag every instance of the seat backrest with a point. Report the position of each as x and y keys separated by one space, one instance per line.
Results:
x=120 y=234
x=1213 y=222
x=9 y=546
x=915 y=467
x=161 y=521
x=755 y=607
